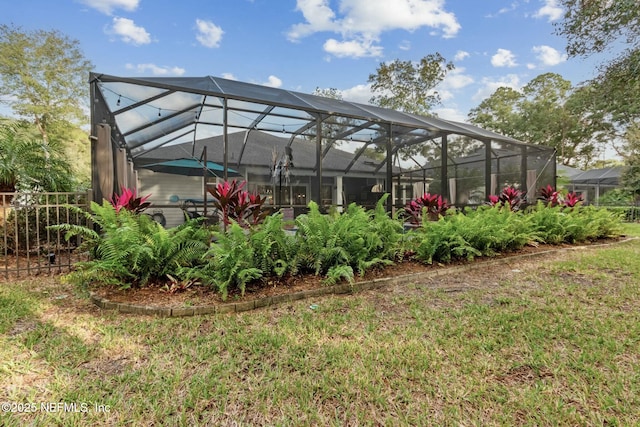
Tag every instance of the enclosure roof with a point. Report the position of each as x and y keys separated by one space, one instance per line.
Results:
x=149 y=112
x=605 y=176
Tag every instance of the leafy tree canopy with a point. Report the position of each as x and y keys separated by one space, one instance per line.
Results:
x=595 y=26
x=630 y=178
x=547 y=111
x=42 y=77
x=591 y=26
x=408 y=86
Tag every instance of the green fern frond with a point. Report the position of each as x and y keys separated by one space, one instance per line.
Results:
x=338 y=273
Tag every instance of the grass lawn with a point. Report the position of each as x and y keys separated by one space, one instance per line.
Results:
x=546 y=341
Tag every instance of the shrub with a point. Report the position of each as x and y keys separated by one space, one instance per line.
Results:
x=129 y=200
x=495 y=230
x=483 y=232
x=570 y=225
x=441 y=241
x=571 y=200
x=273 y=250
x=549 y=196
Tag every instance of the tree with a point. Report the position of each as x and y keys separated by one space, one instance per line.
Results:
x=43 y=77
x=499 y=112
x=547 y=111
x=407 y=86
x=595 y=26
x=591 y=26
x=630 y=178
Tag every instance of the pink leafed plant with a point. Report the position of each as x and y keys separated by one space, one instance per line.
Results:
x=510 y=196
x=572 y=200
x=129 y=200
x=550 y=196
x=434 y=204
x=237 y=204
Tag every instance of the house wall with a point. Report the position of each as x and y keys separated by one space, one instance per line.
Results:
x=162 y=186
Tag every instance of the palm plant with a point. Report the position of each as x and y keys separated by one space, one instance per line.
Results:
x=27 y=162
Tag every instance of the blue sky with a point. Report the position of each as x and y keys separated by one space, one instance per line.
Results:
x=304 y=44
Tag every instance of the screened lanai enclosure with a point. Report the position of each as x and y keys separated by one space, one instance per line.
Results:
x=174 y=136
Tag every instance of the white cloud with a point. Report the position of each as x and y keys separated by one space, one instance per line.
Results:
x=503 y=58
x=405 y=45
x=489 y=86
x=513 y=6
x=318 y=15
x=456 y=79
x=360 y=94
x=108 y=6
x=352 y=48
x=156 y=70
x=450 y=114
x=209 y=34
x=549 y=56
x=551 y=10
x=460 y=55
x=273 y=81
x=229 y=76
x=129 y=32
x=361 y=22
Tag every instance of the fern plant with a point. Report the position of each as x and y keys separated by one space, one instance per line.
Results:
x=357 y=238
x=229 y=262
x=273 y=250
x=132 y=250
x=440 y=241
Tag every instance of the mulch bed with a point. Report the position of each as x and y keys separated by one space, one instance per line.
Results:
x=156 y=295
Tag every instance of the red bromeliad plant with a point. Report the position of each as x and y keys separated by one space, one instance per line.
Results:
x=510 y=196
x=129 y=200
x=238 y=205
x=434 y=204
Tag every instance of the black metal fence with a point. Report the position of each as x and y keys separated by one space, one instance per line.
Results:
x=27 y=244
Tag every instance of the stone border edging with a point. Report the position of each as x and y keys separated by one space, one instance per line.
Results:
x=345 y=288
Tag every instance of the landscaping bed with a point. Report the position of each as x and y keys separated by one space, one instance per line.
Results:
x=156 y=295
x=250 y=261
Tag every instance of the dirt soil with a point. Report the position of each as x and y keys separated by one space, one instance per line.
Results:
x=157 y=295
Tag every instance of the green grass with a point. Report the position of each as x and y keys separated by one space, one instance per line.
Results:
x=631 y=229
x=555 y=342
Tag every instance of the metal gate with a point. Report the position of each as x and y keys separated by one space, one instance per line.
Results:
x=27 y=245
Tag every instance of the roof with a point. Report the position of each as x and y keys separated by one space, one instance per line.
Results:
x=258 y=153
x=605 y=176
x=148 y=112
x=569 y=171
